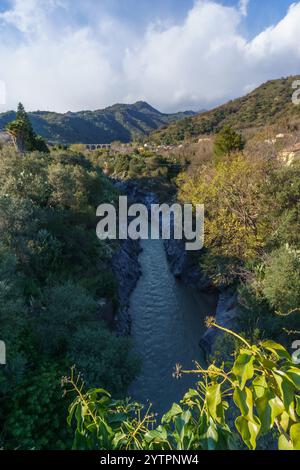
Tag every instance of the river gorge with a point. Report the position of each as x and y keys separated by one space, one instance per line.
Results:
x=164 y=299
x=167 y=322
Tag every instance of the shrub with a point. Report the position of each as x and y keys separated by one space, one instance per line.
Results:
x=281 y=285
x=103 y=358
x=228 y=141
x=37 y=410
x=65 y=308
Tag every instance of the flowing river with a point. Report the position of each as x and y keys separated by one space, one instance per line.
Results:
x=167 y=324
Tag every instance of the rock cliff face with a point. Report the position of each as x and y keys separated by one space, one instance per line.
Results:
x=183 y=267
x=127 y=271
x=126 y=261
x=226 y=315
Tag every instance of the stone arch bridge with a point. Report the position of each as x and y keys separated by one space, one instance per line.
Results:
x=91 y=147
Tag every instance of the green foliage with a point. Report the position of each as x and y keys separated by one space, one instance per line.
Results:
x=25 y=178
x=13 y=319
x=120 y=122
x=230 y=192
x=36 y=412
x=22 y=133
x=251 y=237
x=269 y=103
x=228 y=141
x=53 y=271
x=281 y=209
x=142 y=164
x=281 y=284
x=262 y=385
x=65 y=308
x=103 y=357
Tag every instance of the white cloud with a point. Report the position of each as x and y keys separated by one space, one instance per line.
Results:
x=243 y=5
x=28 y=16
x=55 y=63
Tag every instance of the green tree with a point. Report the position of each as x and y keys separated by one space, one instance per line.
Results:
x=230 y=191
x=36 y=411
x=65 y=308
x=103 y=358
x=21 y=131
x=228 y=141
x=281 y=284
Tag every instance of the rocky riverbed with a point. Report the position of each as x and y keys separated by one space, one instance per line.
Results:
x=127 y=271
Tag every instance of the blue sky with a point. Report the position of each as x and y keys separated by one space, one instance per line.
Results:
x=175 y=54
x=138 y=13
x=261 y=13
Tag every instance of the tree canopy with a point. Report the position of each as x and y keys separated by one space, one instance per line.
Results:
x=23 y=135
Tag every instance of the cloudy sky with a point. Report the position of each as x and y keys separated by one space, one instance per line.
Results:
x=176 y=54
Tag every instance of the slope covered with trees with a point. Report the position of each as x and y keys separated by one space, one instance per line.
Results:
x=55 y=280
x=268 y=104
x=120 y=122
x=252 y=242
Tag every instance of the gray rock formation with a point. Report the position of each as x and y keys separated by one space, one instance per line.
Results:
x=127 y=271
x=125 y=262
x=182 y=266
x=226 y=315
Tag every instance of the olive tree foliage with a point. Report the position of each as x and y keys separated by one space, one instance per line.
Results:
x=261 y=389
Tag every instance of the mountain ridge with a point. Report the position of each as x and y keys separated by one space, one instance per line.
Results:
x=268 y=104
x=119 y=122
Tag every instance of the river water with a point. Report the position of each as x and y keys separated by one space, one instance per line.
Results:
x=167 y=324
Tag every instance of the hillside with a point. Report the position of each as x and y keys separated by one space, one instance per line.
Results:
x=123 y=122
x=270 y=103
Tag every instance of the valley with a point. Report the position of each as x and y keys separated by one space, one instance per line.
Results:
x=155 y=333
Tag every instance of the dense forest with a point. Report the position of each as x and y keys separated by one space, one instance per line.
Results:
x=57 y=277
